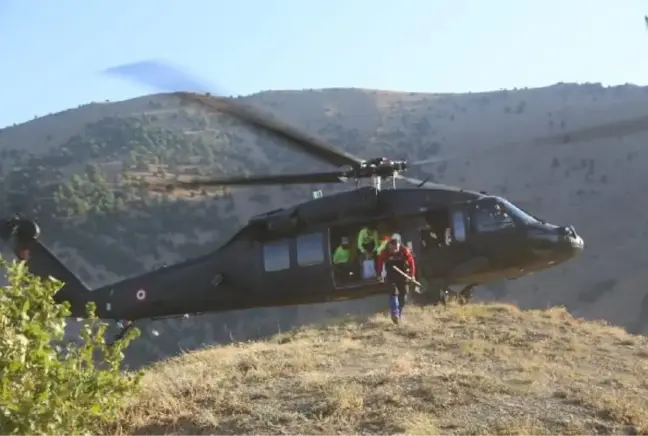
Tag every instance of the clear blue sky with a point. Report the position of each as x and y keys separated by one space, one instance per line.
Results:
x=53 y=50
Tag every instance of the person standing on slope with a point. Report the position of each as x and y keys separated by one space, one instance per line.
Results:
x=399 y=256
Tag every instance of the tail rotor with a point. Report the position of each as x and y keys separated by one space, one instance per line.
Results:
x=19 y=232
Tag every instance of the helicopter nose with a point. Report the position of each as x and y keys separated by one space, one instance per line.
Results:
x=577 y=245
x=555 y=244
x=571 y=241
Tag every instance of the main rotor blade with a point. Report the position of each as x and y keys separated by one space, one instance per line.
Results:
x=600 y=131
x=159 y=76
x=299 y=140
x=163 y=76
x=264 y=180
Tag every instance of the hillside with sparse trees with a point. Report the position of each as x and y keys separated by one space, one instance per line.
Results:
x=79 y=173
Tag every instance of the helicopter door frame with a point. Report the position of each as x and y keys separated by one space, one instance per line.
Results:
x=454 y=247
x=355 y=284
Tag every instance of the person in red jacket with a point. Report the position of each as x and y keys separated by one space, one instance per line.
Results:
x=396 y=255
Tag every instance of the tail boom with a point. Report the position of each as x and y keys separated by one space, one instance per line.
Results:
x=22 y=235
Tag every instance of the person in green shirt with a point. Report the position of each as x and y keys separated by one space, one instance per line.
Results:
x=342 y=252
x=344 y=269
x=368 y=240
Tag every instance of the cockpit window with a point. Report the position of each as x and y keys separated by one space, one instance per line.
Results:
x=491 y=216
x=518 y=213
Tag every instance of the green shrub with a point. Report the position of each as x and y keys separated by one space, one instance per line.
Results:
x=46 y=386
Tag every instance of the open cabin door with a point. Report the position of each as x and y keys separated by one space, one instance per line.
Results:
x=447 y=242
x=358 y=271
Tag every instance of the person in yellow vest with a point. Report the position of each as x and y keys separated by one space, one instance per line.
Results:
x=342 y=252
x=344 y=269
x=368 y=240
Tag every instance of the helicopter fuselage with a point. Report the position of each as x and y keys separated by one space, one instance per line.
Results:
x=285 y=257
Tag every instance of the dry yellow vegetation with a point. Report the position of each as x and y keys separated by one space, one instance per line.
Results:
x=476 y=369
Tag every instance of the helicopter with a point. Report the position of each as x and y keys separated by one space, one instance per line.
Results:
x=284 y=257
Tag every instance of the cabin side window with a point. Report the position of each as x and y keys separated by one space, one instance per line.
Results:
x=458 y=226
x=310 y=249
x=276 y=255
x=492 y=218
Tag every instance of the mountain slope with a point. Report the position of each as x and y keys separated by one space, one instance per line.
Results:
x=476 y=369
x=68 y=169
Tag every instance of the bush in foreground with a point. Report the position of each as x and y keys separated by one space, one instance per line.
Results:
x=48 y=388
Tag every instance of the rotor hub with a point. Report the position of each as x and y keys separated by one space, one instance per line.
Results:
x=380 y=167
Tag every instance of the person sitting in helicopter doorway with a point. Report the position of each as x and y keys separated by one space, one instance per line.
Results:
x=368 y=240
x=429 y=237
x=342 y=252
x=341 y=259
x=399 y=256
x=367 y=244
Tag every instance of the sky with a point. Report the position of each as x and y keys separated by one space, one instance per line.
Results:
x=53 y=52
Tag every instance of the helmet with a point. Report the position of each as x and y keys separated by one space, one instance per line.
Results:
x=395 y=241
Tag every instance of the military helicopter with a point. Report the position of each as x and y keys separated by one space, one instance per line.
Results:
x=284 y=257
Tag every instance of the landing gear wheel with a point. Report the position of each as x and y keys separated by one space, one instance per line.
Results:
x=444 y=296
x=419 y=295
x=465 y=295
x=433 y=297
x=124 y=327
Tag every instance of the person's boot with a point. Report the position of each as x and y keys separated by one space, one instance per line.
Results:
x=393 y=306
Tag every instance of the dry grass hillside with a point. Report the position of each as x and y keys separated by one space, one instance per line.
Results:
x=475 y=369
x=104 y=231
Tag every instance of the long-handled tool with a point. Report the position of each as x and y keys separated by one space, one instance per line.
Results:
x=409 y=279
